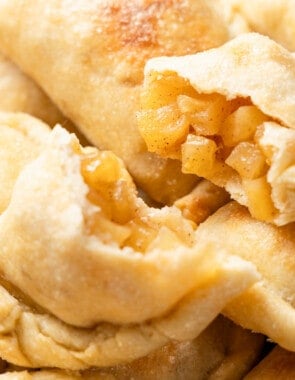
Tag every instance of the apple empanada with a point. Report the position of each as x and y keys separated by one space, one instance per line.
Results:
x=91 y=276
x=228 y=115
x=274 y=18
x=278 y=365
x=222 y=351
x=92 y=67
x=269 y=305
x=21 y=140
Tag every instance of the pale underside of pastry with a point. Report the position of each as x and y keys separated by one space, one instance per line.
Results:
x=92 y=67
x=269 y=305
x=228 y=115
x=274 y=18
x=279 y=364
x=75 y=232
x=21 y=140
x=222 y=351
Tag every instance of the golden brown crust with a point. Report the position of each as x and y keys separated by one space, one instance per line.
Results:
x=95 y=81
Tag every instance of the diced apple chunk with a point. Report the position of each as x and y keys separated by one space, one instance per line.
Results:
x=260 y=204
x=198 y=155
x=248 y=160
x=241 y=125
x=161 y=90
x=206 y=112
x=164 y=130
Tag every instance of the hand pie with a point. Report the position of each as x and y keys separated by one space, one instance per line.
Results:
x=228 y=115
x=94 y=277
x=92 y=67
x=279 y=364
x=21 y=140
x=274 y=18
x=222 y=351
x=269 y=305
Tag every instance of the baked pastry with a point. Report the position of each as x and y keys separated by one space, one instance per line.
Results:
x=274 y=18
x=269 y=305
x=92 y=67
x=228 y=115
x=278 y=364
x=222 y=351
x=21 y=140
x=75 y=232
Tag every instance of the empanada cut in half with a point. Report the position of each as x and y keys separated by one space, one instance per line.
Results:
x=228 y=114
x=92 y=67
x=278 y=364
x=222 y=351
x=269 y=305
x=94 y=277
x=21 y=140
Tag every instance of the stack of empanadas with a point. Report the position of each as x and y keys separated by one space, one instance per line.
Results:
x=166 y=250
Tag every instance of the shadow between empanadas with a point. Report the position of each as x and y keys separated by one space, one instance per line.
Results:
x=228 y=115
x=100 y=278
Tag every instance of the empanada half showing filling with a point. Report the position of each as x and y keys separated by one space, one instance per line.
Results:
x=269 y=305
x=91 y=275
x=228 y=115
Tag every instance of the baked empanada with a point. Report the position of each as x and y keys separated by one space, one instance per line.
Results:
x=92 y=67
x=269 y=305
x=278 y=365
x=222 y=351
x=21 y=140
x=94 y=277
x=228 y=115
x=274 y=18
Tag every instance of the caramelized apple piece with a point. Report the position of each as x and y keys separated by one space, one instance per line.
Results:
x=248 y=160
x=241 y=125
x=260 y=204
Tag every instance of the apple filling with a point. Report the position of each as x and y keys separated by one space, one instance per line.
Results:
x=123 y=218
x=215 y=138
